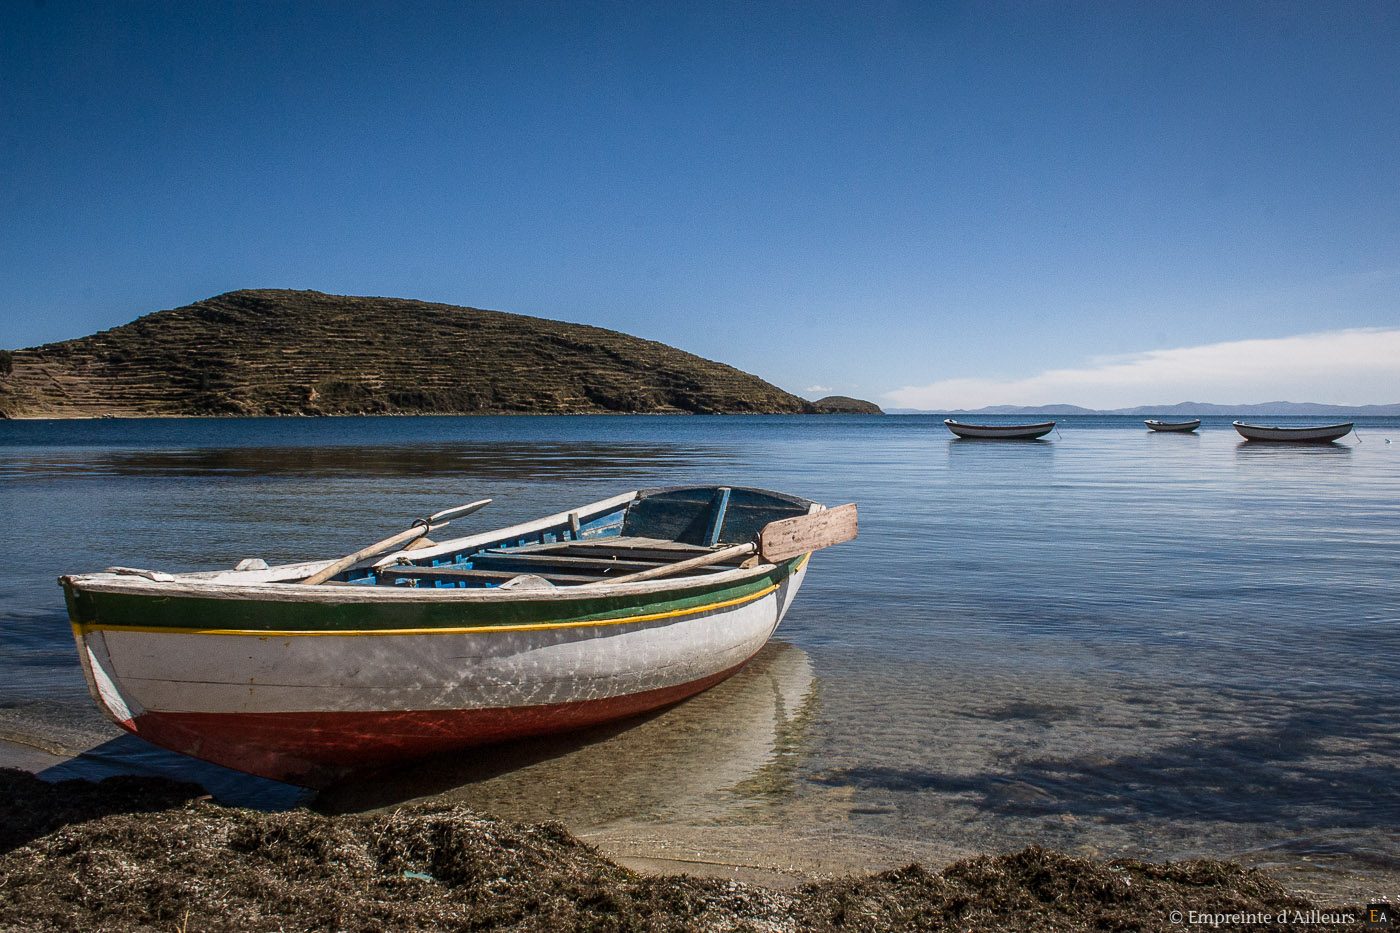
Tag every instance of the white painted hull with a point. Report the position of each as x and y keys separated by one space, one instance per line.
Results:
x=1174 y=426
x=257 y=673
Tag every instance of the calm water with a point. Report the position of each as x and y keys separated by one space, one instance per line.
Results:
x=1110 y=641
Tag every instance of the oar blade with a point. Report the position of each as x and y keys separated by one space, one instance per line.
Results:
x=790 y=537
x=447 y=515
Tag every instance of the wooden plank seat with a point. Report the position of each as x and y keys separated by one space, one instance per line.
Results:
x=657 y=550
x=611 y=543
x=657 y=555
x=388 y=575
x=530 y=562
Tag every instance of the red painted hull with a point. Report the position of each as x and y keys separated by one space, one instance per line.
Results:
x=314 y=749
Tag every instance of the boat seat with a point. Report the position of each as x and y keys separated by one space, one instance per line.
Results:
x=389 y=575
x=662 y=548
x=564 y=562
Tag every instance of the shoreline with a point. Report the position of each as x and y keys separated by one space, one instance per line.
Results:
x=784 y=860
x=134 y=853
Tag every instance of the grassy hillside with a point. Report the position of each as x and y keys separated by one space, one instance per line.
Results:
x=277 y=352
x=845 y=405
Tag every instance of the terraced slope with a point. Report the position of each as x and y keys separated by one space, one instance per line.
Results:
x=277 y=352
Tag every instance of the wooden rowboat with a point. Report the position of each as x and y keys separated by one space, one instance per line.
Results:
x=1173 y=426
x=1003 y=431
x=596 y=614
x=1321 y=434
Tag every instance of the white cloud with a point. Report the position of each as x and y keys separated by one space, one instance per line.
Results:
x=1360 y=366
x=817 y=389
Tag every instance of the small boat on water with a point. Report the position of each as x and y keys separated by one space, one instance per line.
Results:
x=1173 y=426
x=308 y=672
x=1321 y=434
x=1004 y=431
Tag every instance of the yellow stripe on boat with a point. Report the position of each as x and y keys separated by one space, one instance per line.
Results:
x=84 y=628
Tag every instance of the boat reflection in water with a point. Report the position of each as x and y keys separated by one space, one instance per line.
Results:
x=738 y=741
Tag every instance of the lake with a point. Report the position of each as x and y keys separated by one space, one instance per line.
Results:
x=1109 y=641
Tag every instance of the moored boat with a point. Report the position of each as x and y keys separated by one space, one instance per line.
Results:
x=595 y=614
x=1320 y=434
x=1004 y=431
x=1173 y=426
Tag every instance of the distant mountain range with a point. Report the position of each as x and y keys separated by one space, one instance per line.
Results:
x=1181 y=408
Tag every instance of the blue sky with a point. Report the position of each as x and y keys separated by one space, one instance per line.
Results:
x=931 y=205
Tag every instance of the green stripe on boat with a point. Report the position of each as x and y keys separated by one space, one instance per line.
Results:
x=149 y=612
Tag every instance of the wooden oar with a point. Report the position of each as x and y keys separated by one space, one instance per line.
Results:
x=419 y=529
x=778 y=541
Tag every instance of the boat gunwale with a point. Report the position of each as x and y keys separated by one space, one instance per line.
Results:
x=278 y=583
x=639 y=614
x=1000 y=427
x=341 y=593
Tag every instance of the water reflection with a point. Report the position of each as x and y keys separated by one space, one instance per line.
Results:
x=1281 y=449
x=995 y=441
x=494 y=460
x=740 y=741
x=967 y=451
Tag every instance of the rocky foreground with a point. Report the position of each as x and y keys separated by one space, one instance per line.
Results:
x=145 y=854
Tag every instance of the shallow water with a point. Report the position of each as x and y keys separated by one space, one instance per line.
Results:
x=1108 y=641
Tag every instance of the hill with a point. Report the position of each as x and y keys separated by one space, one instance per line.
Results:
x=845 y=405
x=279 y=352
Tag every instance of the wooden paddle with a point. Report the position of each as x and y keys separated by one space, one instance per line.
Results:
x=419 y=529
x=777 y=542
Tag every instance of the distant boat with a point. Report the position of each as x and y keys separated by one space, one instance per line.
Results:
x=1179 y=426
x=1003 y=431
x=1321 y=434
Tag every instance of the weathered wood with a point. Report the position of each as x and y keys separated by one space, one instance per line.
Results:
x=779 y=541
x=790 y=537
x=563 y=562
x=609 y=546
x=419 y=530
x=694 y=563
x=487 y=576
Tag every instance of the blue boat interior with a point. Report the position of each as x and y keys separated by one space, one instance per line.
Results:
x=658 y=527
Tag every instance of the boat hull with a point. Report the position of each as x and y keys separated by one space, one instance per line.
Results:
x=1322 y=434
x=310 y=690
x=1024 y=432
x=1174 y=427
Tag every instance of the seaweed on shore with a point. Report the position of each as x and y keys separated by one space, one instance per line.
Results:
x=195 y=865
